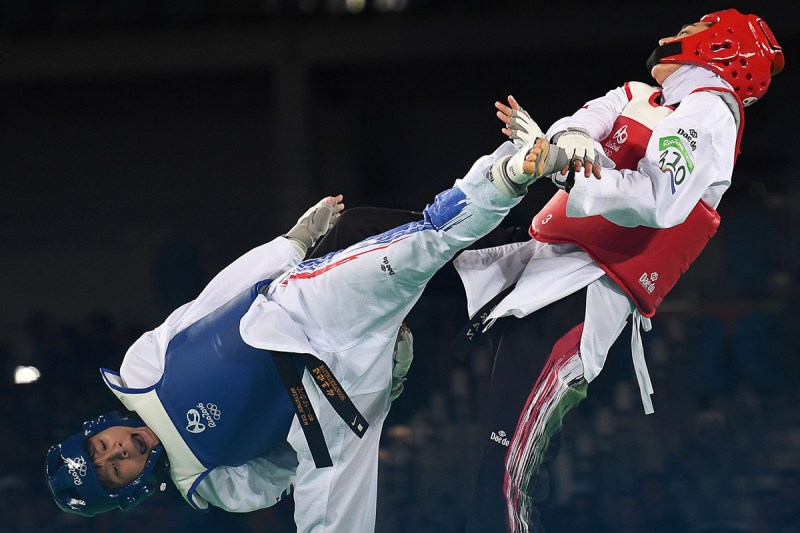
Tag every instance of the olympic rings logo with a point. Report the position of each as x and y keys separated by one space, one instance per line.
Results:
x=214 y=411
x=76 y=468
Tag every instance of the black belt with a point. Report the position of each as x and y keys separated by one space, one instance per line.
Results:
x=333 y=392
x=473 y=330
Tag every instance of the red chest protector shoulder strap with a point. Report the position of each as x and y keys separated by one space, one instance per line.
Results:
x=645 y=262
x=627 y=141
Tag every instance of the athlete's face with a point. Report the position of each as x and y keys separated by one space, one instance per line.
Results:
x=120 y=453
x=662 y=71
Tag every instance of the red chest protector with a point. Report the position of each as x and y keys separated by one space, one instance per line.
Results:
x=645 y=262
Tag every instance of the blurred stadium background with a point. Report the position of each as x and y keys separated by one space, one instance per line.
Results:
x=147 y=143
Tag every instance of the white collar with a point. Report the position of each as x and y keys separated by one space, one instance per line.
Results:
x=688 y=78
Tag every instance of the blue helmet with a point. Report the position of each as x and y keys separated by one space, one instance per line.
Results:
x=73 y=481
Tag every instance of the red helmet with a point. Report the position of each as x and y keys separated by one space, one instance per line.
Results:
x=741 y=49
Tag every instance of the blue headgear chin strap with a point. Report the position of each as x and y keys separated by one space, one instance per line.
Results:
x=73 y=482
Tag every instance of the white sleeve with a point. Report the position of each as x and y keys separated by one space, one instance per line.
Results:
x=596 y=116
x=143 y=364
x=689 y=156
x=259 y=483
x=266 y=261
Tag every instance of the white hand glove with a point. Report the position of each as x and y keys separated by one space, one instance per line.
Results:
x=317 y=221
x=577 y=143
x=579 y=147
x=523 y=128
x=401 y=360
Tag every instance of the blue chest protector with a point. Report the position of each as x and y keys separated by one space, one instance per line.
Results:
x=225 y=397
x=221 y=402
